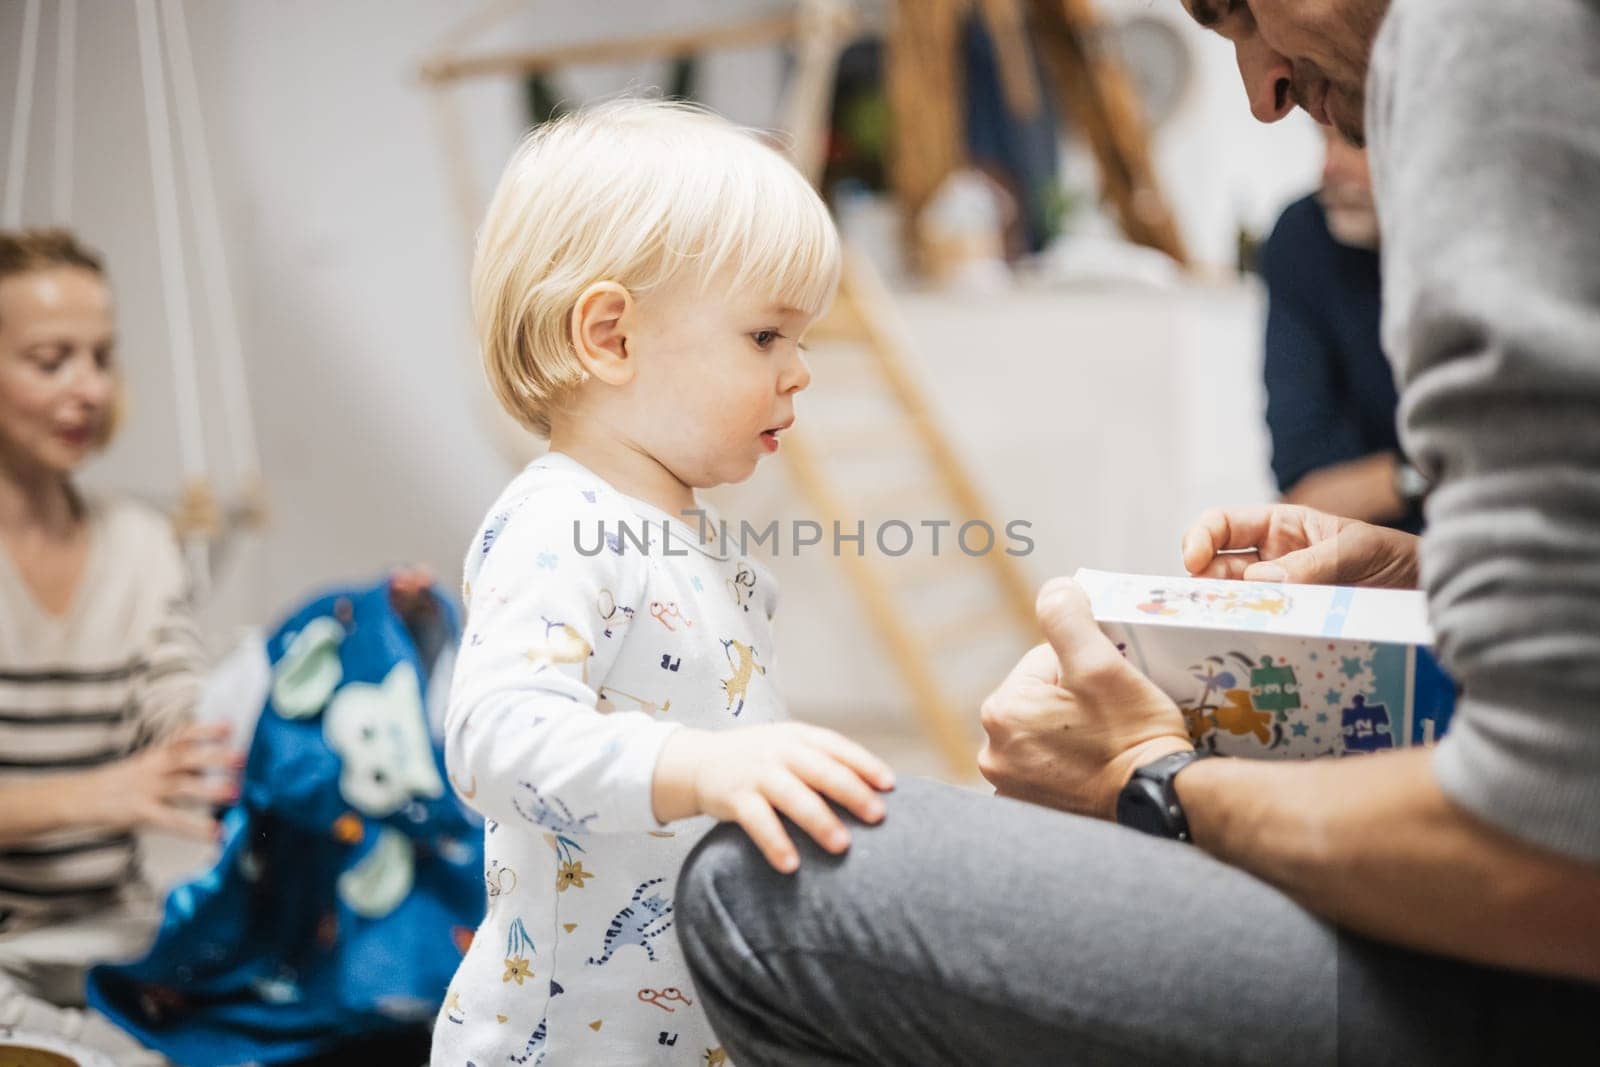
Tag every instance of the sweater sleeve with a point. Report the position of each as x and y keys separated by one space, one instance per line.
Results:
x=523 y=736
x=1486 y=127
x=172 y=657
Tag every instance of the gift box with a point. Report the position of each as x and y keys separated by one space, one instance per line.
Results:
x=1281 y=671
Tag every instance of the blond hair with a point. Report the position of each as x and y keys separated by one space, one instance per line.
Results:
x=30 y=251
x=633 y=191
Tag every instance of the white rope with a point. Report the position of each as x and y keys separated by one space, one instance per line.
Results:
x=16 y=165
x=169 y=243
x=66 y=43
x=213 y=260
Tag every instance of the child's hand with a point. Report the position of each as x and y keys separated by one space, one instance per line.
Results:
x=750 y=775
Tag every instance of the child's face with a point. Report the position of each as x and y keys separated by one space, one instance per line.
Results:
x=718 y=372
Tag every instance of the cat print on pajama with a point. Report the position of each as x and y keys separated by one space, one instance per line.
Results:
x=582 y=653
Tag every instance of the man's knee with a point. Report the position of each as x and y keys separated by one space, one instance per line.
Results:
x=726 y=889
x=722 y=869
x=723 y=857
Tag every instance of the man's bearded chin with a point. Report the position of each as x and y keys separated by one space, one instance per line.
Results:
x=1347 y=112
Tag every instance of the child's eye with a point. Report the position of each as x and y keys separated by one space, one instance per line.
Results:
x=765 y=339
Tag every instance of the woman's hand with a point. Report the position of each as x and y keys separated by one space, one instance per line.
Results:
x=751 y=775
x=1074 y=719
x=1290 y=543
x=160 y=785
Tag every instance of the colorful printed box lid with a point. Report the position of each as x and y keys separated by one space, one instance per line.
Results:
x=1391 y=616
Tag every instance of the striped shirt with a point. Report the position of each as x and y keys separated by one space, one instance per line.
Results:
x=118 y=670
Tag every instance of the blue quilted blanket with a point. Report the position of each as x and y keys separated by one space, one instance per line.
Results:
x=349 y=879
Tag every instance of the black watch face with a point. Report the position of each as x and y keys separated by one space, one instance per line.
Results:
x=1141 y=807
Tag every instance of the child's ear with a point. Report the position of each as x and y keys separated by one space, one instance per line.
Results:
x=600 y=322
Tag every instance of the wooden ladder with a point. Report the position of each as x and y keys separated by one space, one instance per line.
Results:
x=947 y=606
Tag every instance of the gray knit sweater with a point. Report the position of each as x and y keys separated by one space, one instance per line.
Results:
x=1484 y=122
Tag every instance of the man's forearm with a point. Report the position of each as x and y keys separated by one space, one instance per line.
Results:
x=1361 y=488
x=1373 y=844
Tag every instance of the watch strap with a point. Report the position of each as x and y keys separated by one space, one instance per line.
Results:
x=1152 y=785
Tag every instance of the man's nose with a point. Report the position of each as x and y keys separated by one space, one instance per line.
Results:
x=1268 y=80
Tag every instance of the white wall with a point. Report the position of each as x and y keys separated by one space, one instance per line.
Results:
x=349 y=267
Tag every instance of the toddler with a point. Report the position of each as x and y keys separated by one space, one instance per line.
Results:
x=640 y=285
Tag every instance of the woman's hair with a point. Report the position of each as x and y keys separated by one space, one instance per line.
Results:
x=635 y=192
x=28 y=251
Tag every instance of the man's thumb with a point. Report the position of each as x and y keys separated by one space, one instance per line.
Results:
x=1316 y=565
x=1068 y=622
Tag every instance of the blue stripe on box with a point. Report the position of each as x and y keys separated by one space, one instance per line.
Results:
x=1338 y=611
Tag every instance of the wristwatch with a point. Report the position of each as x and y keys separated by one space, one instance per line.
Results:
x=1149 y=801
x=1410 y=484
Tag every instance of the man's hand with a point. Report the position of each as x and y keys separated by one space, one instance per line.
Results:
x=1074 y=719
x=1360 y=488
x=162 y=786
x=1289 y=543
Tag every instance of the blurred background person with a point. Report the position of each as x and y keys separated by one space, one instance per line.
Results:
x=1331 y=397
x=101 y=663
x=99 y=658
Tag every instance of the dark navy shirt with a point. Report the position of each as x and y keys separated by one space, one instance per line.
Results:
x=1330 y=393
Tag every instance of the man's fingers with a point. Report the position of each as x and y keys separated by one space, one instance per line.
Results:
x=838 y=782
x=1230 y=565
x=1084 y=652
x=852 y=755
x=808 y=811
x=1316 y=565
x=1224 y=530
x=755 y=814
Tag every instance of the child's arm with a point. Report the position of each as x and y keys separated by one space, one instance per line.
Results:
x=524 y=742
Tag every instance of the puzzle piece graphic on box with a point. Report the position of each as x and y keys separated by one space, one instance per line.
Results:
x=1282 y=672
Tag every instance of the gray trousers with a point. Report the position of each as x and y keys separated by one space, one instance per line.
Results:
x=966 y=929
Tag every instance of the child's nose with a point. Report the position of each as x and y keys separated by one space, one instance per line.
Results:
x=796 y=377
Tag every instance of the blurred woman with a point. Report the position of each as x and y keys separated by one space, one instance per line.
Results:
x=99 y=660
